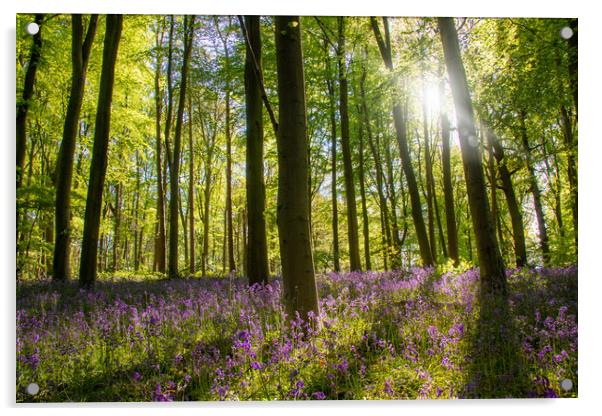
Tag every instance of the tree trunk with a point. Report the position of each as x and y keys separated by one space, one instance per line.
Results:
x=518 y=231
x=404 y=152
x=256 y=245
x=300 y=293
x=23 y=103
x=430 y=182
x=390 y=187
x=333 y=171
x=534 y=188
x=117 y=226
x=174 y=171
x=365 y=224
x=80 y=53
x=495 y=214
x=493 y=276
x=386 y=237
x=160 y=238
x=448 y=193
x=229 y=226
x=98 y=167
x=352 y=224
x=191 y=183
x=571 y=152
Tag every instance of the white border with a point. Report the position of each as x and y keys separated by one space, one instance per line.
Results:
x=590 y=202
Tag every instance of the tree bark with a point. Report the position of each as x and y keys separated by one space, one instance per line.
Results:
x=23 y=104
x=229 y=225
x=518 y=231
x=352 y=223
x=493 y=276
x=430 y=182
x=386 y=237
x=98 y=167
x=333 y=171
x=191 y=182
x=365 y=224
x=80 y=53
x=404 y=151
x=160 y=237
x=534 y=188
x=256 y=245
x=448 y=193
x=117 y=226
x=174 y=171
x=300 y=293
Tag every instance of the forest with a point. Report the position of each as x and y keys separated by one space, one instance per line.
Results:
x=295 y=207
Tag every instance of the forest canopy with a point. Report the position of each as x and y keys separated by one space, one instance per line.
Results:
x=522 y=80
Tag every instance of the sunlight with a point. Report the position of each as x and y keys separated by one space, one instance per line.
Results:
x=432 y=98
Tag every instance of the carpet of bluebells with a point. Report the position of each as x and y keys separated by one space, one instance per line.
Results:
x=392 y=335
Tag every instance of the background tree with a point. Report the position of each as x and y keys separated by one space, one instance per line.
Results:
x=87 y=271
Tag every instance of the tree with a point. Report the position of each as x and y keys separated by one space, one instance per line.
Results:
x=493 y=277
x=516 y=218
x=174 y=155
x=300 y=293
x=80 y=54
x=191 y=181
x=257 y=249
x=534 y=189
x=23 y=104
x=228 y=220
x=384 y=45
x=352 y=223
x=450 y=214
x=98 y=168
x=160 y=237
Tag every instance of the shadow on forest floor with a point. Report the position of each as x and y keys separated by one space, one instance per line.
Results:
x=497 y=366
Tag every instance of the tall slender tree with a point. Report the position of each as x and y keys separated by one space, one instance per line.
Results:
x=174 y=155
x=535 y=191
x=191 y=182
x=257 y=249
x=493 y=277
x=516 y=218
x=300 y=293
x=384 y=45
x=24 y=102
x=80 y=55
x=160 y=237
x=352 y=223
x=229 y=225
x=98 y=167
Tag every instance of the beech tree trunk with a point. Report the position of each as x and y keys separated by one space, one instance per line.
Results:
x=98 y=167
x=384 y=45
x=174 y=171
x=493 y=276
x=256 y=240
x=534 y=188
x=352 y=223
x=518 y=231
x=448 y=193
x=117 y=226
x=191 y=182
x=333 y=180
x=160 y=237
x=430 y=182
x=366 y=231
x=300 y=293
x=80 y=53
x=23 y=104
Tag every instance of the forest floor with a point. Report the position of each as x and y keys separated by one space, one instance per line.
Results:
x=395 y=335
